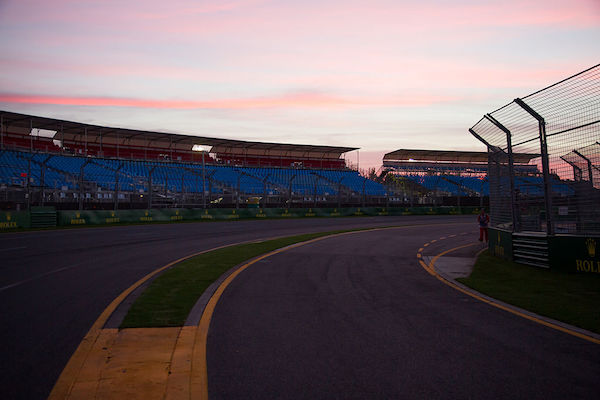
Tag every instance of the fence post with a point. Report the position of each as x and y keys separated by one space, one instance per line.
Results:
x=511 y=172
x=589 y=165
x=545 y=163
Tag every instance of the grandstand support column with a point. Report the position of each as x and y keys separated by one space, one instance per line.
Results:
x=315 y=192
x=182 y=188
x=62 y=139
x=266 y=195
x=290 y=191
x=85 y=140
x=29 y=182
x=150 y=187
x=237 y=191
x=43 y=179
x=203 y=182
x=209 y=192
x=116 y=194
x=363 y=191
x=340 y=192
x=81 y=175
x=545 y=163
x=511 y=172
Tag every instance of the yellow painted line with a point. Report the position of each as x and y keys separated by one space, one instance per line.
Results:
x=426 y=244
x=431 y=269
x=433 y=241
x=64 y=385
x=199 y=372
x=420 y=250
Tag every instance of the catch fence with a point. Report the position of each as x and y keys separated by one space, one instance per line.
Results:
x=558 y=130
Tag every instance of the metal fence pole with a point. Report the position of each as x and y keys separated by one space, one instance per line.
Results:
x=589 y=165
x=545 y=163
x=511 y=172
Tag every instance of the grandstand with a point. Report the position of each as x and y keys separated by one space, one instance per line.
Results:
x=448 y=177
x=47 y=161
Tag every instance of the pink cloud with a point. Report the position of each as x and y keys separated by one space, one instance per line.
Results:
x=311 y=100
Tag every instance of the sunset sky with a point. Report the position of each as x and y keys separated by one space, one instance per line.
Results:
x=379 y=75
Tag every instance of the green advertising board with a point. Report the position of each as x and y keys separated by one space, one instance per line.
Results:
x=500 y=243
x=580 y=254
x=103 y=217
x=14 y=219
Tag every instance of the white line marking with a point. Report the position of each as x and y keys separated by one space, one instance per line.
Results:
x=12 y=285
x=13 y=248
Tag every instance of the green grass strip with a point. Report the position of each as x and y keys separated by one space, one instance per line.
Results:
x=570 y=298
x=169 y=298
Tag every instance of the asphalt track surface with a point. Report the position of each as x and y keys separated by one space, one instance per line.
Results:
x=355 y=316
x=55 y=284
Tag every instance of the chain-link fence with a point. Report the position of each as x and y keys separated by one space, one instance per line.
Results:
x=544 y=158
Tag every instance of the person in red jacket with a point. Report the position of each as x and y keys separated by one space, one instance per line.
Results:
x=483 y=219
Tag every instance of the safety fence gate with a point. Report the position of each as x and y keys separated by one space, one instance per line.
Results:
x=544 y=172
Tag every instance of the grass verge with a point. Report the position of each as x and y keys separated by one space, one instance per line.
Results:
x=570 y=298
x=169 y=298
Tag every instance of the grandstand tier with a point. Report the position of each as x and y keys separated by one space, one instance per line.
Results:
x=72 y=175
x=33 y=133
x=50 y=161
x=452 y=173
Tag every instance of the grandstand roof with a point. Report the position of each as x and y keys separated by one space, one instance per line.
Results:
x=81 y=132
x=450 y=156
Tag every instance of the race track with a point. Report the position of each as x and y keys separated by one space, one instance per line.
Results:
x=355 y=316
x=352 y=316
x=55 y=284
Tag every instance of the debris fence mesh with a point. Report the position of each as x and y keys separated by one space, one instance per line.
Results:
x=544 y=158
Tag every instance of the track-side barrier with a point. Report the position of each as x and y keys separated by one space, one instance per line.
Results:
x=48 y=217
